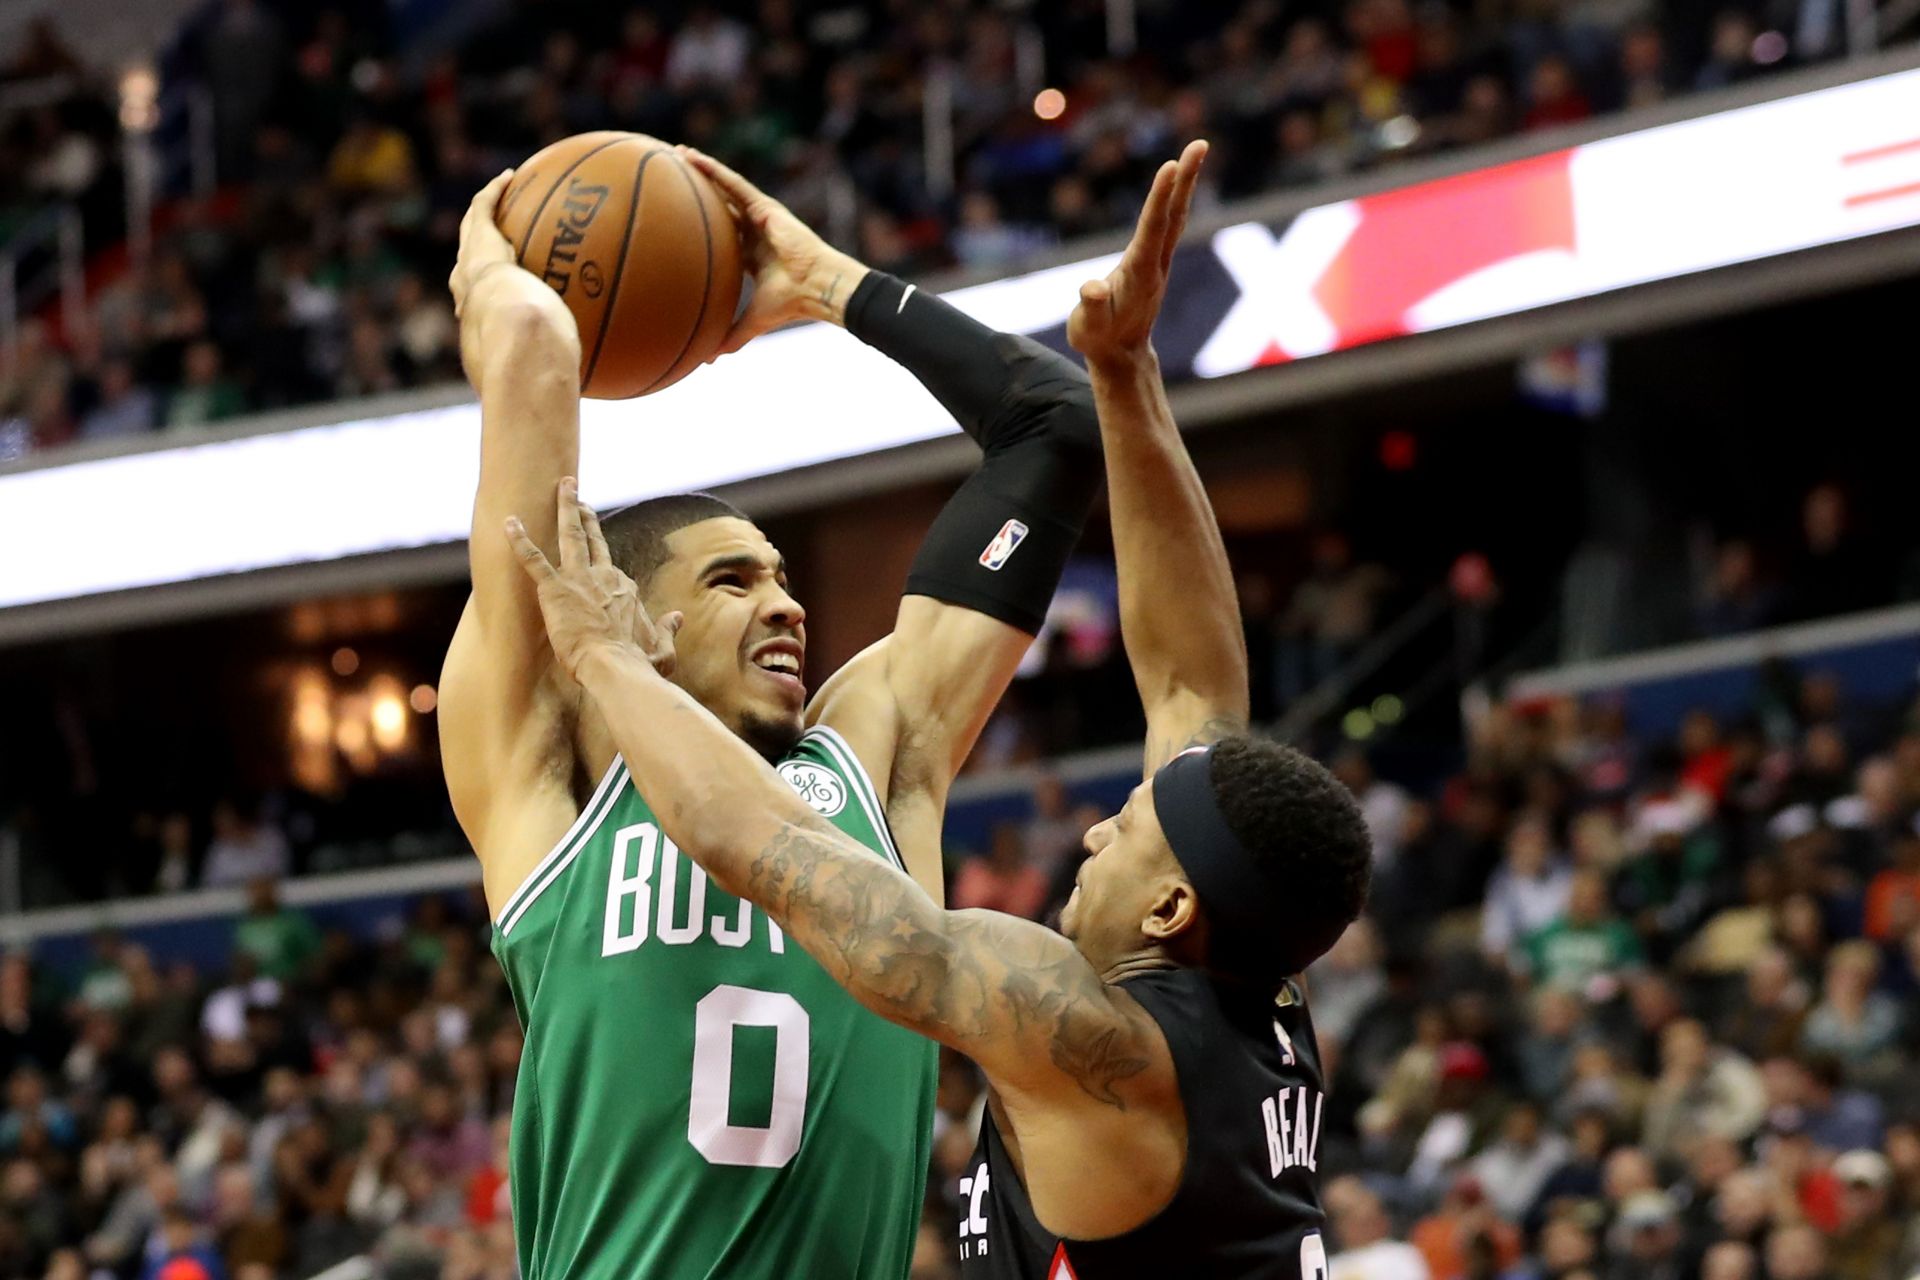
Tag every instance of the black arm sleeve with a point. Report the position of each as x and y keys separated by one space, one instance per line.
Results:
x=1000 y=543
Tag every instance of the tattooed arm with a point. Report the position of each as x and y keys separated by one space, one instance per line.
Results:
x=1012 y=995
x=1015 y=997
x=1179 y=613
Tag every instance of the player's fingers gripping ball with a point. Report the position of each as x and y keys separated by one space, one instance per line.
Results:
x=641 y=248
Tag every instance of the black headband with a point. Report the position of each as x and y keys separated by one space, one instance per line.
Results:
x=1241 y=904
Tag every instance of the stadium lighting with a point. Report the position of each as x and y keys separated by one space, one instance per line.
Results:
x=139 y=98
x=351 y=736
x=388 y=717
x=1401 y=131
x=1049 y=104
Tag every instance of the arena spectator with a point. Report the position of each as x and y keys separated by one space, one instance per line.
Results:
x=1832 y=572
x=1347 y=980
x=1807 y=1095
x=1730 y=51
x=1764 y=1018
x=1587 y=948
x=1514 y=1169
x=1527 y=894
x=1004 y=879
x=1055 y=839
x=1667 y=887
x=1383 y=803
x=1796 y=1251
x=122 y=406
x=244 y=848
x=1868 y=1241
x=1544 y=1053
x=1463 y=1236
x=30 y=1111
x=1733 y=599
x=1463 y=1117
x=1852 y=1021
x=205 y=394
x=1702 y=1092
x=1368 y=1250
x=1647 y=1240
x=1331 y=614
x=279 y=940
x=1893 y=895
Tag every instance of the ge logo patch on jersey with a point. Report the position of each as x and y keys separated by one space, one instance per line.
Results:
x=1011 y=535
x=820 y=788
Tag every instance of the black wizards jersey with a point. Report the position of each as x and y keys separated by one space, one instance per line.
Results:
x=1247 y=1207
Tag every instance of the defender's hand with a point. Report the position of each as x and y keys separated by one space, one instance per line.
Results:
x=481 y=243
x=796 y=274
x=1114 y=320
x=586 y=601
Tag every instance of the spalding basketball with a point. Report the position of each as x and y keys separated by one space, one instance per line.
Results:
x=641 y=247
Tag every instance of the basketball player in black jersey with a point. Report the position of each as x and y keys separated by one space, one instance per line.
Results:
x=1156 y=1089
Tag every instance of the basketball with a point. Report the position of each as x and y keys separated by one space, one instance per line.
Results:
x=639 y=245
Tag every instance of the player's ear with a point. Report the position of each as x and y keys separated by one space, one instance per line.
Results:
x=1174 y=913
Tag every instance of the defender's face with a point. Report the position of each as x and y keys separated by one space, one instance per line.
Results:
x=1129 y=868
x=741 y=651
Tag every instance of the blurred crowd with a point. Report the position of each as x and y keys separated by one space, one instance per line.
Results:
x=1625 y=1005
x=1311 y=607
x=315 y=159
x=316 y=1101
x=1647 y=1005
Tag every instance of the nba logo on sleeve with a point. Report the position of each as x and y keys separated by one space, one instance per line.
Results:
x=1011 y=535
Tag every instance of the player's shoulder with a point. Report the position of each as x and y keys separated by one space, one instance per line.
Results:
x=822 y=768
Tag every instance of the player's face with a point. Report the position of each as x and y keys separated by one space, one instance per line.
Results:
x=741 y=652
x=1124 y=884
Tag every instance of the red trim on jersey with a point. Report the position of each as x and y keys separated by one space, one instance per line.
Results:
x=1061 y=1268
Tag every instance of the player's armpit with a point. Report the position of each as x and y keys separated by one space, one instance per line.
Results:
x=508 y=767
x=1014 y=996
x=912 y=705
x=947 y=668
x=1185 y=718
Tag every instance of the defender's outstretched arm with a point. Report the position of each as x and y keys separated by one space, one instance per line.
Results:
x=1179 y=613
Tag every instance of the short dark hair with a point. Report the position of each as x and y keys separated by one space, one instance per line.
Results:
x=637 y=535
x=1305 y=831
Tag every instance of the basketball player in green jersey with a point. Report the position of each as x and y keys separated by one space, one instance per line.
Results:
x=697 y=1097
x=1155 y=1089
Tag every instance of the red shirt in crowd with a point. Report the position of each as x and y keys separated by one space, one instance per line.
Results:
x=1020 y=892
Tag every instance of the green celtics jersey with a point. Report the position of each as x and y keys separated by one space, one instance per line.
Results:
x=697 y=1098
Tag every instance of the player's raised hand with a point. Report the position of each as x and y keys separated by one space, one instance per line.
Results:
x=1115 y=316
x=586 y=600
x=481 y=243
x=796 y=274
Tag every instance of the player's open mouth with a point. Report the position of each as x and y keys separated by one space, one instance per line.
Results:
x=780 y=659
